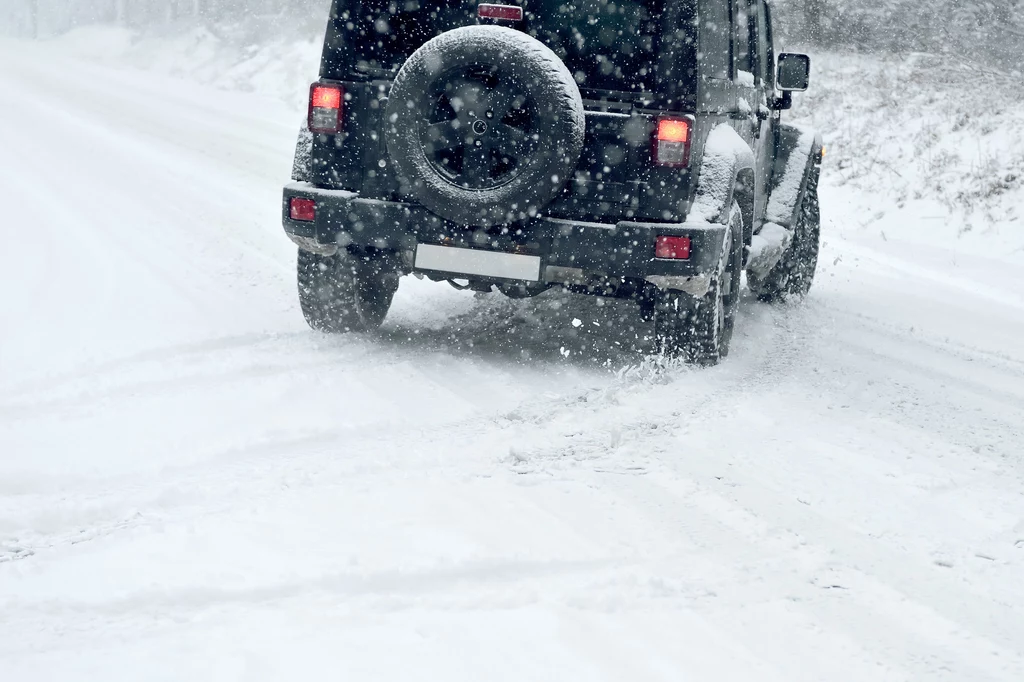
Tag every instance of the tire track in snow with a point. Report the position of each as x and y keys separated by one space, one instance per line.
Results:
x=293 y=452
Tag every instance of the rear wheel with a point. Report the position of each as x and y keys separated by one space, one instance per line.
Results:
x=794 y=273
x=699 y=330
x=346 y=293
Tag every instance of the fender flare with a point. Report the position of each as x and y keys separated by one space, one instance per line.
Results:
x=797 y=158
x=302 y=162
x=726 y=174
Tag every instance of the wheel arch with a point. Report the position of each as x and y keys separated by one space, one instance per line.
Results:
x=302 y=162
x=726 y=174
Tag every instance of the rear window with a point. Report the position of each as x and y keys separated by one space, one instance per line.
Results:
x=606 y=44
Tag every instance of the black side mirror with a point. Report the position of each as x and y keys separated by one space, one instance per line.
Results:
x=794 y=72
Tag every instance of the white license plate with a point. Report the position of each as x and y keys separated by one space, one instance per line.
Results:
x=480 y=263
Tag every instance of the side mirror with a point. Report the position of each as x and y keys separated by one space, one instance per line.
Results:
x=794 y=72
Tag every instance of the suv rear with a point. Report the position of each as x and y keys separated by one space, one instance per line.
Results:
x=612 y=148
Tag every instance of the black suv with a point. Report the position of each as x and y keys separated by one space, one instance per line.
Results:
x=626 y=148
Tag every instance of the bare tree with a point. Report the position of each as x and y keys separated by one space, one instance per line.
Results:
x=33 y=18
x=814 y=18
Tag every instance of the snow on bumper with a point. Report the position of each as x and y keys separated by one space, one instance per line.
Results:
x=767 y=248
x=571 y=251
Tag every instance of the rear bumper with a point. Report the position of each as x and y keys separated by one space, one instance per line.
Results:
x=569 y=250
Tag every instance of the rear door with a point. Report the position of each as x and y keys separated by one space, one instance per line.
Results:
x=751 y=73
x=767 y=120
x=744 y=63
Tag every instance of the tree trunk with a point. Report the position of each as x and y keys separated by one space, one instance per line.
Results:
x=814 y=20
x=33 y=18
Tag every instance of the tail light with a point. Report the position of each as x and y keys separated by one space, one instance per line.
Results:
x=500 y=12
x=672 y=141
x=672 y=248
x=325 y=105
x=302 y=209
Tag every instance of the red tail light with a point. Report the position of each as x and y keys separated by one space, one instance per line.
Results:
x=500 y=12
x=302 y=209
x=674 y=248
x=672 y=141
x=325 y=106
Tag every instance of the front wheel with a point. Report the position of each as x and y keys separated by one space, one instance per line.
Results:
x=699 y=330
x=794 y=273
x=344 y=292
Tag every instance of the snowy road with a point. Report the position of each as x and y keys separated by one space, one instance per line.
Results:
x=195 y=486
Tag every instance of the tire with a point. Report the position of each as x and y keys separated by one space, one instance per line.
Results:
x=344 y=293
x=700 y=330
x=485 y=126
x=794 y=273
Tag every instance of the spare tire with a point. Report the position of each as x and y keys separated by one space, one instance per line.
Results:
x=484 y=125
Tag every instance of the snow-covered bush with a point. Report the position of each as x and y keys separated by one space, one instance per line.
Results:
x=985 y=34
x=920 y=129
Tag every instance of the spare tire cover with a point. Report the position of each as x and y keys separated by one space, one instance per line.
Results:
x=484 y=125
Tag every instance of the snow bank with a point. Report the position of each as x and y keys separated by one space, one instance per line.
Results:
x=224 y=58
x=921 y=149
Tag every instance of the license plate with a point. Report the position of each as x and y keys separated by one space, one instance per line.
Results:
x=474 y=262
